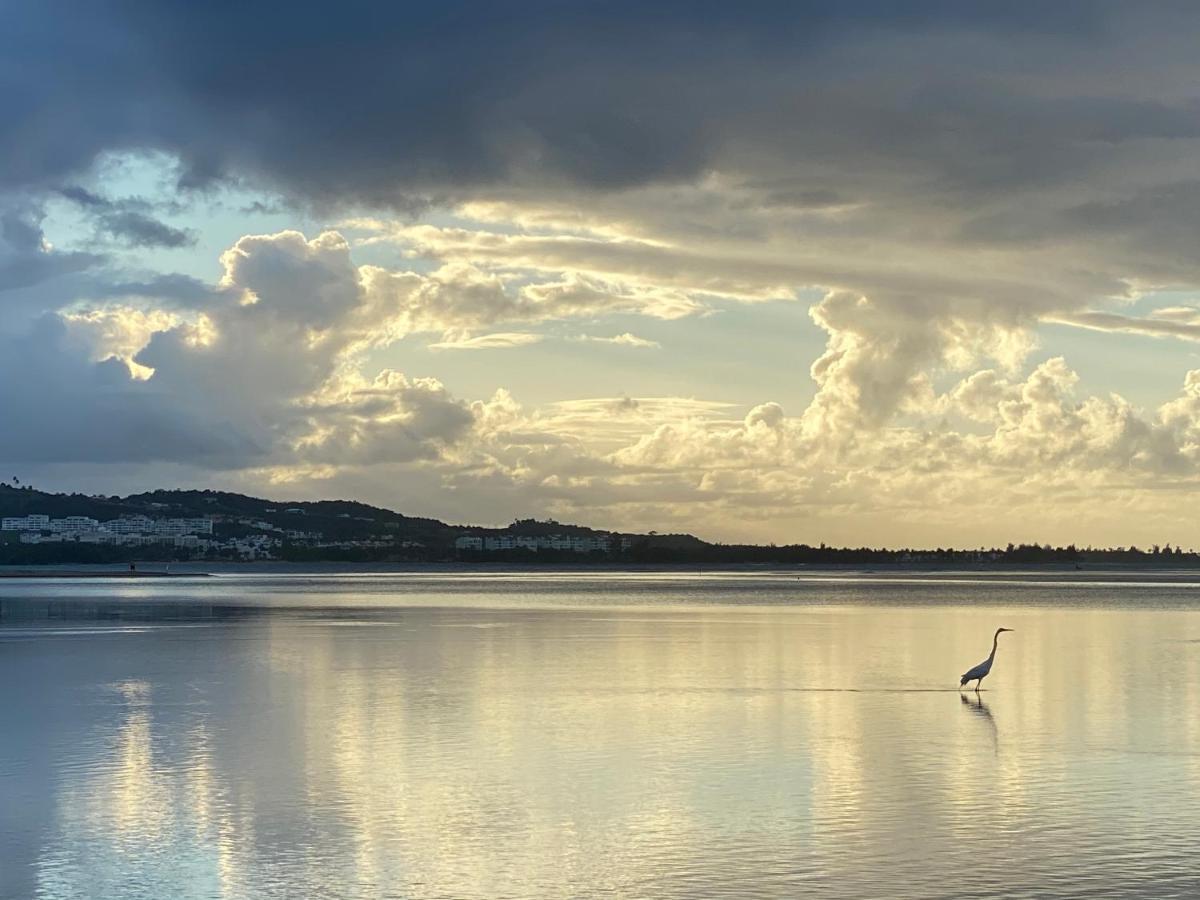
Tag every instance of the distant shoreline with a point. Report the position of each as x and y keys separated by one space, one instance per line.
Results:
x=79 y=573
x=501 y=567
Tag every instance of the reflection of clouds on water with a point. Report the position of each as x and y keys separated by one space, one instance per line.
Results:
x=140 y=811
x=17 y=634
x=568 y=754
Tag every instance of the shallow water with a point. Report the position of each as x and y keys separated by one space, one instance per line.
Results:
x=629 y=735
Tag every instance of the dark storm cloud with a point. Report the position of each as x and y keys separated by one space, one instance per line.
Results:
x=20 y=228
x=24 y=259
x=140 y=230
x=384 y=103
x=128 y=220
x=91 y=411
x=174 y=289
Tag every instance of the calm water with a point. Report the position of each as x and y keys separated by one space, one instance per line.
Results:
x=529 y=736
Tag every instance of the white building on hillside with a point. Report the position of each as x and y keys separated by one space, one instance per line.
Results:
x=74 y=525
x=25 y=523
x=595 y=543
x=130 y=525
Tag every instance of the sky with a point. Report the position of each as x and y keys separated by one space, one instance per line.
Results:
x=861 y=273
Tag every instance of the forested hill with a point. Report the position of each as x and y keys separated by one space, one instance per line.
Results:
x=334 y=516
x=324 y=521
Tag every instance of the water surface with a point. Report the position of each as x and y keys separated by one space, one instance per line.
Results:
x=619 y=734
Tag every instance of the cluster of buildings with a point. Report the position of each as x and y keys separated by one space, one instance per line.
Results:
x=131 y=530
x=276 y=535
x=251 y=537
x=193 y=534
x=935 y=556
x=251 y=546
x=576 y=543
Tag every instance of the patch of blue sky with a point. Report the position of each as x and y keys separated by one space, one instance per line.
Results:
x=1145 y=370
x=217 y=217
x=1148 y=303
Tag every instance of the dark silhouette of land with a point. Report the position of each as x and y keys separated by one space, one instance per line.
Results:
x=98 y=573
x=348 y=531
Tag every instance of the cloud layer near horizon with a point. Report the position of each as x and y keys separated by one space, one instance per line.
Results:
x=934 y=183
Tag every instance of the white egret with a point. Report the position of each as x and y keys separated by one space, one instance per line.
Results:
x=980 y=672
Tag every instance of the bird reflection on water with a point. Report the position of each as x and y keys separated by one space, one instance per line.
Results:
x=981 y=710
x=977 y=706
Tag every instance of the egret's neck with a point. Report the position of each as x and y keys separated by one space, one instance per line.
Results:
x=995 y=643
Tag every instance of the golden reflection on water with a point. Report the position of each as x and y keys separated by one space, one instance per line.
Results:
x=135 y=801
x=658 y=752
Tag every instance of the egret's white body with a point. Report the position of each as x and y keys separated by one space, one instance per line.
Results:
x=981 y=671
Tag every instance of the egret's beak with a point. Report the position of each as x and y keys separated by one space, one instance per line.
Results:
x=1007 y=629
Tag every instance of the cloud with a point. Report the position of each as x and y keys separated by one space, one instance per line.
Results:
x=167 y=290
x=263 y=375
x=128 y=220
x=504 y=340
x=26 y=257
x=605 y=99
x=1178 y=322
x=501 y=340
x=270 y=359
x=622 y=340
x=80 y=410
x=599 y=272
x=120 y=332
x=390 y=419
x=140 y=230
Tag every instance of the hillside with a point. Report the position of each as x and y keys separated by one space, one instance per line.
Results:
x=301 y=530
